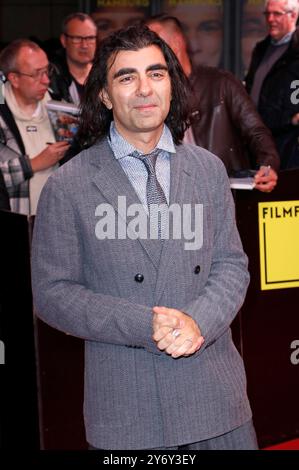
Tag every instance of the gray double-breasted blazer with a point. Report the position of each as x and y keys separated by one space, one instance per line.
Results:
x=135 y=395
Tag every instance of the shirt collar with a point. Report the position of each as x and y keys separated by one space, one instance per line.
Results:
x=121 y=148
x=287 y=38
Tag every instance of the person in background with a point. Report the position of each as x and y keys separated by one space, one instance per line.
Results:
x=273 y=70
x=73 y=63
x=107 y=20
x=161 y=370
x=28 y=152
x=224 y=119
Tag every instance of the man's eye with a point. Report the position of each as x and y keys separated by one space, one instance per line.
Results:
x=157 y=74
x=126 y=79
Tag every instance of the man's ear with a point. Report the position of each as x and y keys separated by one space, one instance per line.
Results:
x=104 y=97
x=13 y=79
x=62 y=40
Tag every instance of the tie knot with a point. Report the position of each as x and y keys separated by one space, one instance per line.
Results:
x=149 y=160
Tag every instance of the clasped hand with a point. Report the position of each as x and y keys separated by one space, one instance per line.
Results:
x=175 y=332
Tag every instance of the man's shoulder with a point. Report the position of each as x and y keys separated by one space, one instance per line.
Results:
x=58 y=60
x=294 y=47
x=262 y=45
x=206 y=167
x=61 y=78
x=83 y=163
x=291 y=52
x=200 y=157
x=210 y=82
x=208 y=76
x=5 y=111
x=204 y=72
x=8 y=125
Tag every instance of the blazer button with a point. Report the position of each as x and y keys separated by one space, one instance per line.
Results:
x=197 y=269
x=139 y=277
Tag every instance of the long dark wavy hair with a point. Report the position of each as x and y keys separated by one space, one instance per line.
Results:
x=95 y=118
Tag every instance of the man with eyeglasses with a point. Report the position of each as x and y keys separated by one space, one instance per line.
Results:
x=274 y=66
x=28 y=151
x=73 y=63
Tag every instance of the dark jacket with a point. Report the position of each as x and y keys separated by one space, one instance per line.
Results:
x=15 y=166
x=4 y=198
x=275 y=104
x=61 y=79
x=225 y=121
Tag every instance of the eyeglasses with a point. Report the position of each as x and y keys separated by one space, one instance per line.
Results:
x=276 y=14
x=78 y=39
x=38 y=74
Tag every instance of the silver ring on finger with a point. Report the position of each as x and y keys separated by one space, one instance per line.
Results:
x=175 y=333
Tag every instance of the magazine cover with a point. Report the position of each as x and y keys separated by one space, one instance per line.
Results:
x=64 y=118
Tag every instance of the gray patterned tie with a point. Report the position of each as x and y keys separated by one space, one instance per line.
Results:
x=154 y=192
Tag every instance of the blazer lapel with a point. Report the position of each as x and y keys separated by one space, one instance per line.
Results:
x=182 y=183
x=112 y=182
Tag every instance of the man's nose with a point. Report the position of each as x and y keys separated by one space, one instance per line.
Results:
x=271 y=17
x=144 y=86
x=45 y=78
x=85 y=42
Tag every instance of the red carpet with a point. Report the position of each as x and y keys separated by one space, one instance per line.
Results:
x=289 y=445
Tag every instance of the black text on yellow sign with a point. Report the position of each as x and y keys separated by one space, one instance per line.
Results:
x=279 y=244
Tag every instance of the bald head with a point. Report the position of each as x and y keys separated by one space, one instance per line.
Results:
x=169 y=30
x=26 y=66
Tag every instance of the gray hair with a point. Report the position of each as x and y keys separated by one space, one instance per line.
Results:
x=292 y=5
x=10 y=54
x=76 y=16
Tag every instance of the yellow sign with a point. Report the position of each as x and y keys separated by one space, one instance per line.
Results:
x=279 y=244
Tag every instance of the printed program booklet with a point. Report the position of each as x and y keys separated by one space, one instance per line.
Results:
x=64 y=118
x=242 y=183
x=242 y=179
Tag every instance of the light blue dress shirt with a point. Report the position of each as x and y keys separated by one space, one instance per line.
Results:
x=135 y=169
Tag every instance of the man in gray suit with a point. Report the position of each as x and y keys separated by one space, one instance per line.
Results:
x=136 y=250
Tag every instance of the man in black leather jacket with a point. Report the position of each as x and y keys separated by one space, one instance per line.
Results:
x=272 y=77
x=72 y=64
x=224 y=119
